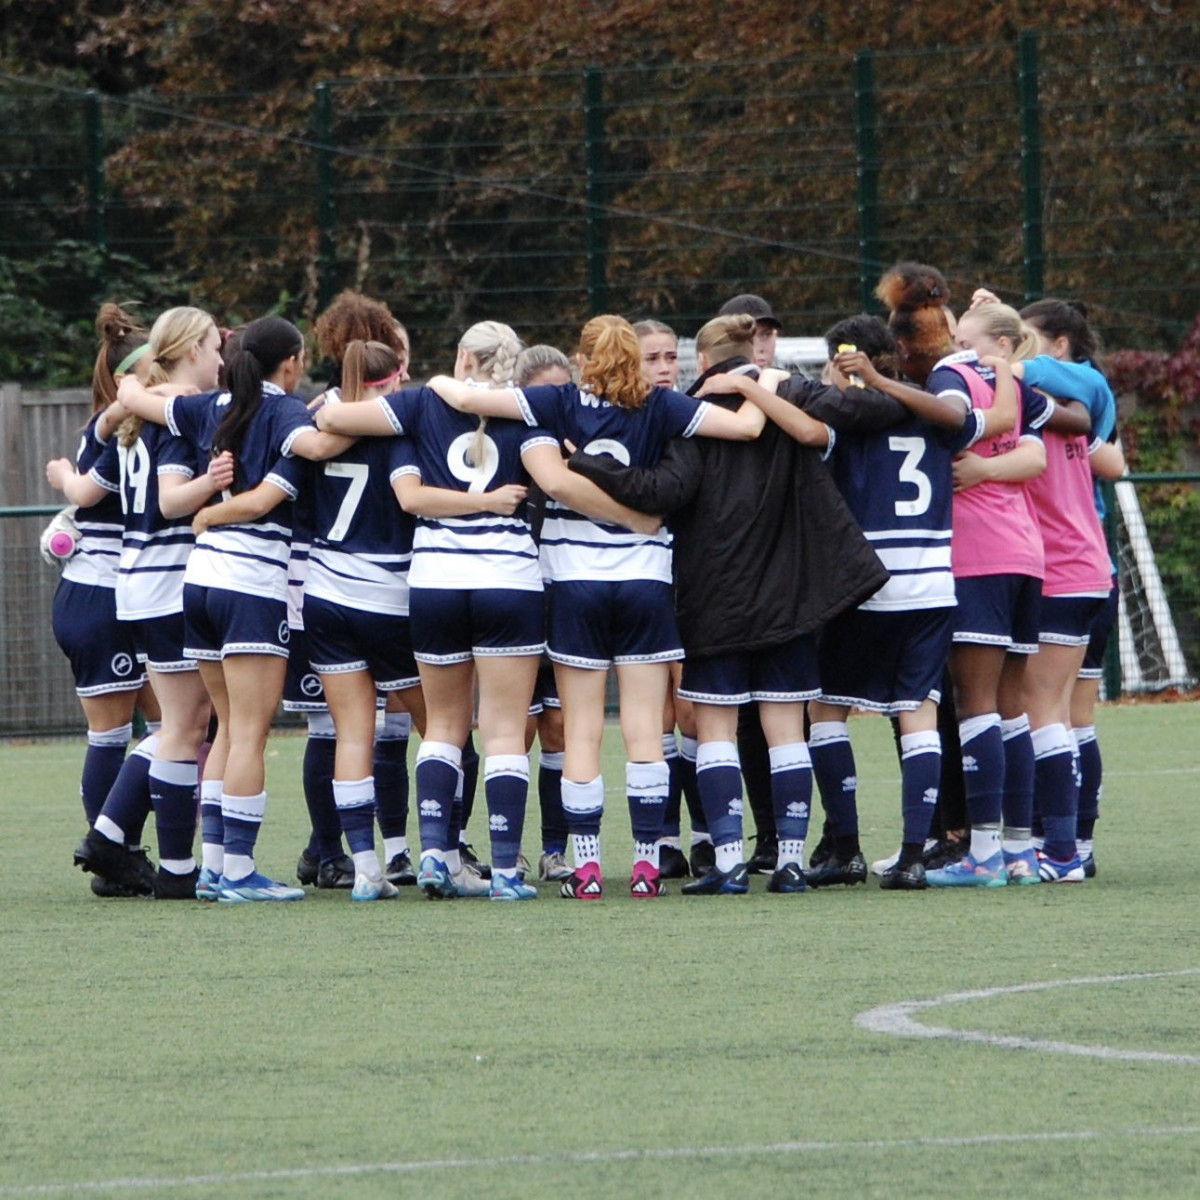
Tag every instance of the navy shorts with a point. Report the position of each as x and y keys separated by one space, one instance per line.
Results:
x=219 y=622
x=784 y=674
x=1068 y=620
x=1102 y=626
x=452 y=625
x=885 y=662
x=160 y=644
x=595 y=623
x=101 y=649
x=998 y=610
x=342 y=639
x=302 y=687
x=545 y=691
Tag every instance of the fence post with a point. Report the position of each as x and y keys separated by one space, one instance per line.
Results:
x=94 y=156
x=597 y=223
x=1031 y=165
x=868 y=178
x=1112 y=652
x=326 y=201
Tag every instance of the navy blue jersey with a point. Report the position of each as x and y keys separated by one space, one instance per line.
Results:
x=100 y=524
x=154 y=550
x=574 y=546
x=251 y=557
x=362 y=539
x=898 y=485
x=482 y=550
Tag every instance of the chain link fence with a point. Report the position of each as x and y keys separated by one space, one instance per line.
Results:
x=1061 y=164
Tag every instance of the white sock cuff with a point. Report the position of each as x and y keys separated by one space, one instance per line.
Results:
x=793 y=756
x=183 y=774
x=689 y=747
x=111 y=737
x=972 y=727
x=353 y=793
x=443 y=752
x=717 y=754
x=647 y=777
x=1051 y=740
x=396 y=727
x=825 y=733
x=1085 y=734
x=1014 y=726
x=147 y=746
x=210 y=791
x=244 y=808
x=320 y=725
x=583 y=798
x=927 y=741
x=506 y=764
x=552 y=760
x=670 y=746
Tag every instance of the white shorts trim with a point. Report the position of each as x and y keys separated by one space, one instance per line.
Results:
x=398 y=685
x=103 y=689
x=508 y=651
x=1065 y=639
x=890 y=709
x=236 y=648
x=178 y=667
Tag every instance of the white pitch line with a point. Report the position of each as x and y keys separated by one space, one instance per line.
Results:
x=586 y=1157
x=898 y=1021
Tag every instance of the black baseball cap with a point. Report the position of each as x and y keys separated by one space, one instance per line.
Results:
x=753 y=305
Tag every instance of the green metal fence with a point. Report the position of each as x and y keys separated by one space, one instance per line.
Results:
x=1154 y=534
x=1063 y=163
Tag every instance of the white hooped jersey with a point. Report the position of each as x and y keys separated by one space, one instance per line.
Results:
x=483 y=550
x=251 y=557
x=574 y=546
x=362 y=543
x=100 y=525
x=154 y=550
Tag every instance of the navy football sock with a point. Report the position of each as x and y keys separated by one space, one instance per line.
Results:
x=646 y=786
x=173 y=794
x=325 y=839
x=506 y=789
x=836 y=774
x=101 y=765
x=920 y=773
x=391 y=775
x=554 y=820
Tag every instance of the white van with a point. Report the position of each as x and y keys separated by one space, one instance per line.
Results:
x=801 y=355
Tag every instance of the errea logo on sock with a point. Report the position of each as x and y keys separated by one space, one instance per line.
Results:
x=498 y=823
x=970 y=763
x=930 y=797
x=850 y=783
x=797 y=809
x=735 y=807
x=430 y=808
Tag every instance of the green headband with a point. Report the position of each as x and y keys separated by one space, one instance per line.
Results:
x=131 y=358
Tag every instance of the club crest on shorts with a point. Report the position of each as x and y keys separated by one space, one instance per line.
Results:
x=122 y=665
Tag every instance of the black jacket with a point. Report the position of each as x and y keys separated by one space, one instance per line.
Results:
x=765 y=547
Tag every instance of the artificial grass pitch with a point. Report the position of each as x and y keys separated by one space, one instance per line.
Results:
x=679 y=1047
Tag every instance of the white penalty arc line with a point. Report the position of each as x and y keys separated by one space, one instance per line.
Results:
x=898 y=1020
x=586 y=1157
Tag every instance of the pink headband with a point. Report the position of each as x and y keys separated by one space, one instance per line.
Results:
x=378 y=383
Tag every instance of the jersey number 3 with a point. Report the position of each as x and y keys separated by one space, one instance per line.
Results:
x=913 y=448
